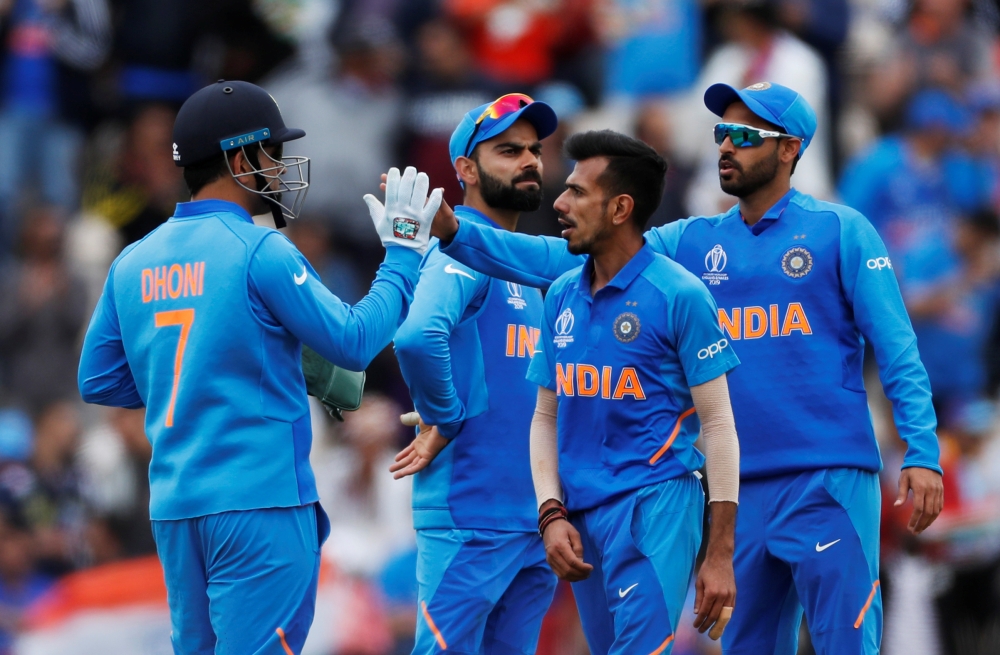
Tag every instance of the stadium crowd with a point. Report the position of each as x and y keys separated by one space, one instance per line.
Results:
x=908 y=98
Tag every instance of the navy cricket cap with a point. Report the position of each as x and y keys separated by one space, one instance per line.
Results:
x=486 y=121
x=774 y=103
x=237 y=113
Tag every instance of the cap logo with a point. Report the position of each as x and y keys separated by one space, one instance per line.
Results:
x=245 y=139
x=759 y=86
x=177 y=155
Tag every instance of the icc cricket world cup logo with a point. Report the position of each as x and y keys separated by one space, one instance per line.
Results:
x=715 y=264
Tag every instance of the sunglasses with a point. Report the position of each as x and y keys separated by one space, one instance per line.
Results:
x=499 y=108
x=744 y=136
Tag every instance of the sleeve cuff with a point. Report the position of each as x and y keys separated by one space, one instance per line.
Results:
x=450 y=430
x=402 y=255
x=446 y=245
x=923 y=465
x=541 y=380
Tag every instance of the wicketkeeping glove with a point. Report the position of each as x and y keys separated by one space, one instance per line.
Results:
x=406 y=218
x=338 y=389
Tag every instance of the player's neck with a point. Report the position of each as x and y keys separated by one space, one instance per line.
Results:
x=505 y=218
x=612 y=258
x=227 y=190
x=754 y=206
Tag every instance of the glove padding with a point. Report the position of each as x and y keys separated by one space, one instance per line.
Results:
x=406 y=218
x=338 y=389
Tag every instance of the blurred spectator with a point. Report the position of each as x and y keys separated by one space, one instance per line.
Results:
x=48 y=48
x=43 y=307
x=984 y=141
x=20 y=583
x=114 y=460
x=653 y=47
x=951 y=291
x=312 y=237
x=516 y=42
x=443 y=87
x=912 y=185
x=53 y=503
x=370 y=514
x=756 y=50
x=652 y=126
x=351 y=122
x=567 y=102
x=939 y=46
x=970 y=605
x=139 y=191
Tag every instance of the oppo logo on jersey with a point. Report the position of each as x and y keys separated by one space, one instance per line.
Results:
x=756 y=322
x=589 y=382
x=521 y=340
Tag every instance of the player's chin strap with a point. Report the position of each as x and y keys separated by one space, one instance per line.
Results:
x=273 y=200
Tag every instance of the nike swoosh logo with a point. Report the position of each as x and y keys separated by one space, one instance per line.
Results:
x=457 y=271
x=300 y=280
x=622 y=594
x=820 y=549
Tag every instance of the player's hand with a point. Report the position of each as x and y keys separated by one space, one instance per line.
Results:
x=406 y=218
x=445 y=223
x=421 y=451
x=564 y=552
x=715 y=594
x=928 y=496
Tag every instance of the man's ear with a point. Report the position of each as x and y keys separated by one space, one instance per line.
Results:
x=789 y=150
x=621 y=207
x=467 y=171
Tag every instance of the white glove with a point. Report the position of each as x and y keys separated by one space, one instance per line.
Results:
x=406 y=218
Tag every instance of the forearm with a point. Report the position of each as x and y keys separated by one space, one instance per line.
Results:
x=529 y=260
x=722 y=447
x=721 y=531
x=545 y=448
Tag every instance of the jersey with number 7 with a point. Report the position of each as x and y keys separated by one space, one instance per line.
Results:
x=202 y=323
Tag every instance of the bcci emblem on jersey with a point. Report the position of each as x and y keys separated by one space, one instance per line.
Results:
x=797 y=262
x=515 y=296
x=564 y=325
x=626 y=327
x=715 y=263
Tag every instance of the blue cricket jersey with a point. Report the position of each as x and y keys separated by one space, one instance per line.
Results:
x=464 y=351
x=202 y=323
x=798 y=294
x=622 y=363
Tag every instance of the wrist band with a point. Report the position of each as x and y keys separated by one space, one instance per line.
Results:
x=551 y=515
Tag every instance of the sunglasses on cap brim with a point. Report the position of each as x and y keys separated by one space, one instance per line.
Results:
x=745 y=136
x=499 y=108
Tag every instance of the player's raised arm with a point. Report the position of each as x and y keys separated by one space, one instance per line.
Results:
x=870 y=286
x=534 y=261
x=351 y=336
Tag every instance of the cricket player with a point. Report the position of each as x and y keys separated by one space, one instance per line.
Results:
x=202 y=322
x=801 y=285
x=464 y=349
x=630 y=360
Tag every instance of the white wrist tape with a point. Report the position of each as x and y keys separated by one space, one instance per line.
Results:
x=545 y=448
x=722 y=447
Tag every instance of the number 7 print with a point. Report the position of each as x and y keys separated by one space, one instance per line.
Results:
x=185 y=319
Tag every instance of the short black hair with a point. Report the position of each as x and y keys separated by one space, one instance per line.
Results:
x=985 y=221
x=199 y=175
x=634 y=168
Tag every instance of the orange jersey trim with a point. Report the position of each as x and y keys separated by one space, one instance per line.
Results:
x=434 y=630
x=868 y=603
x=673 y=435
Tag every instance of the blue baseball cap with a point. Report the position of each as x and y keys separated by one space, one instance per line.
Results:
x=774 y=103
x=494 y=117
x=934 y=108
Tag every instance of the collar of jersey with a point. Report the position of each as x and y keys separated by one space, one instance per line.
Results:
x=772 y=214
x=629 y=272
x=476 y=216
x=212 y=206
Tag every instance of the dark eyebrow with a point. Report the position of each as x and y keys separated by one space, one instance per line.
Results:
x=575 y=187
